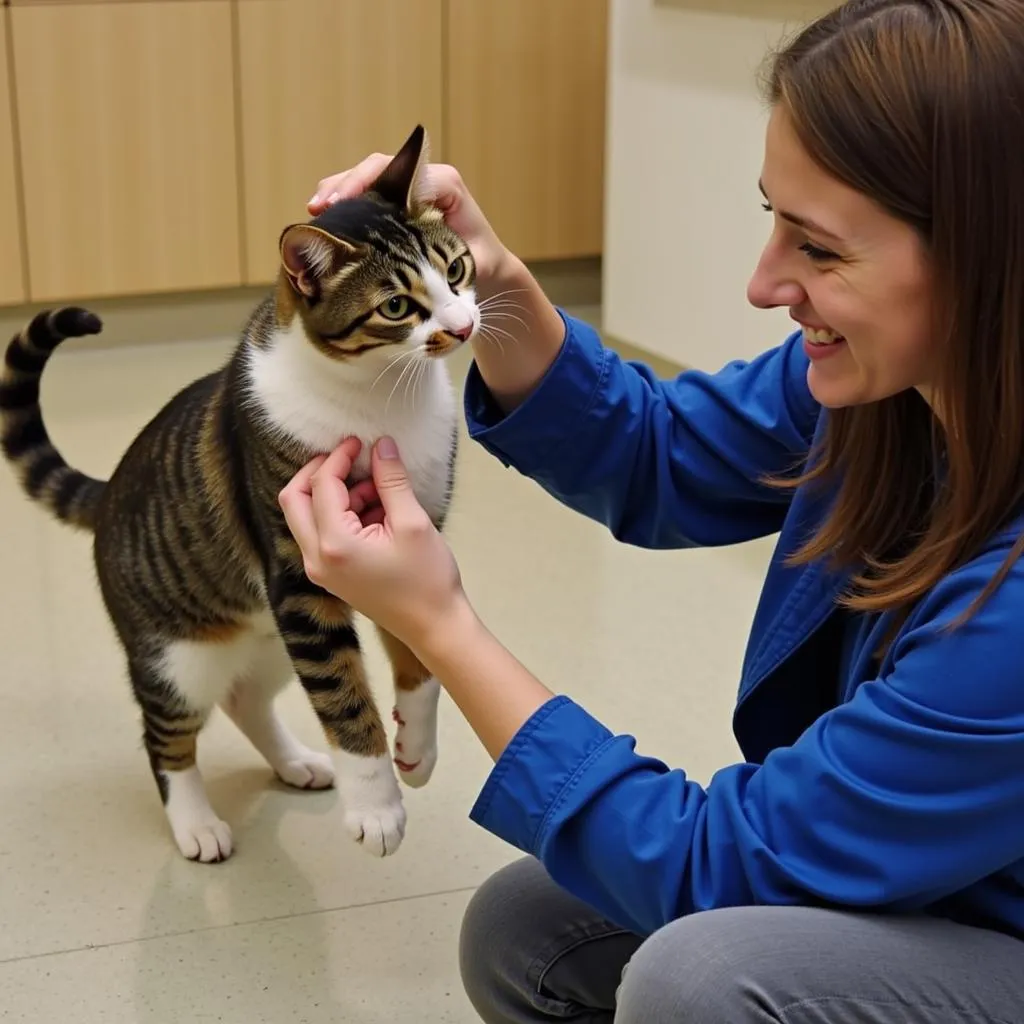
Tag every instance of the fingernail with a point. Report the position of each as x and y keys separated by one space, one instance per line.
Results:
x=314 y=198
x=387 y=449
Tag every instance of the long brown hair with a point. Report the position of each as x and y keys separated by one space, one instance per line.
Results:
x=919 y=104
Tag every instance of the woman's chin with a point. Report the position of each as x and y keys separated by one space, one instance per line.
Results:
x=834 y=391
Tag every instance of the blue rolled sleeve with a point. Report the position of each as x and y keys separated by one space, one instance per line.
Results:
x=662 y=463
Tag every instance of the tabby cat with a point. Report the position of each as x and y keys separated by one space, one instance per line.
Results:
x=200 y=576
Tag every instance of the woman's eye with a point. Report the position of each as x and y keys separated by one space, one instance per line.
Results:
x=456 y=270
x=396 y=308
x=813 y=251
x=818 y=254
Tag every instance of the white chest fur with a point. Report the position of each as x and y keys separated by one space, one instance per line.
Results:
x=319 y=402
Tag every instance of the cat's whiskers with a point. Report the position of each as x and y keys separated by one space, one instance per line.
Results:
x=503 y=304
x=419 y=375
x=411 y=364
x=498 y=295
x=397 y=359
x=486 y=334
x=495 y=329
x=491 y=315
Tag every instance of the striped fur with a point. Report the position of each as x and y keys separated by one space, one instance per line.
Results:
x=201 y=578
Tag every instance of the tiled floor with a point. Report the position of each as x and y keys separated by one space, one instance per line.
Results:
x=101 y=918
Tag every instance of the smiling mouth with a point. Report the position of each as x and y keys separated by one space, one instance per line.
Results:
x=822 y=337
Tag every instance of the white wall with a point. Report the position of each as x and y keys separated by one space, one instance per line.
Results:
x=684 y=224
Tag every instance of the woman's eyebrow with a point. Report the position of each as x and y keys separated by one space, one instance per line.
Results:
x=802 y=222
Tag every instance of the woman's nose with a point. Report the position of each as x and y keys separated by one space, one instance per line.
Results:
x=772 y=285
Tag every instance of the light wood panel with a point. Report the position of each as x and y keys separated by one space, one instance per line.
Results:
x=12 y=269
x=126 y=114
x=526 y=114
x=323 y=84
x=56 y=3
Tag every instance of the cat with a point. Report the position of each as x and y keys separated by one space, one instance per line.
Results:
x=201 y=578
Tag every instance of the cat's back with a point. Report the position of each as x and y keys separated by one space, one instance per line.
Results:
x=172 y=432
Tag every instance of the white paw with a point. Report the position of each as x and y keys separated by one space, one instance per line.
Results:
x=208 y=842
x=307 y=770
x=416 y=771
x=416 y=738
x=374 y=814
x=199 y=833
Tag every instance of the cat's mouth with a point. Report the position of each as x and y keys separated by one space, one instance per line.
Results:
x=442 y=343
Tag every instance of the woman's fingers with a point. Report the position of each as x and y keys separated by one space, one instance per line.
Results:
x=347 y=184
x=373 y=516
x=301 y=483
x=296 y=503
x=364 y=501
x=335 y=517
x=338 y=465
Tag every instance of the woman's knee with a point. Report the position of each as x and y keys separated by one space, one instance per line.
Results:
x=696 y=969
x=499 y=938
x=529 y=951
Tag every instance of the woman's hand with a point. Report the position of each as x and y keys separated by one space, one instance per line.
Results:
x=448 y=192
x=513 y=305
x=389 y=563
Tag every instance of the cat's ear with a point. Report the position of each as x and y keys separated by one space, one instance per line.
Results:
x=309 y=255
x=403 y=182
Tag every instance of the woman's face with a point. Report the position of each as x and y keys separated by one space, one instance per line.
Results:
x=854 y=277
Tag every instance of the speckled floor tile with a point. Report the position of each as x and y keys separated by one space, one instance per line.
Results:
x=650 y=642
x=369 y=965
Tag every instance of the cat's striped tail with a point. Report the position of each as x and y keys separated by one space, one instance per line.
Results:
x=71 y=496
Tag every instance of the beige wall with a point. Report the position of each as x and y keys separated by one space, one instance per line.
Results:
x=684 y=225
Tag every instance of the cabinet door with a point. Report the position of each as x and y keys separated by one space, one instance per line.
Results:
x=12 y=268
x=126 y=115
x=324 y=84
x=526 y=119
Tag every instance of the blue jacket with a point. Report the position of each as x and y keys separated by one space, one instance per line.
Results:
x=896 y=787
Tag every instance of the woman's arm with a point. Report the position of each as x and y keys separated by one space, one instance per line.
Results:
x=531 y=335
x=907 y=794
x=496 y=694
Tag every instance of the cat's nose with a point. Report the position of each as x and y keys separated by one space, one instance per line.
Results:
x=462 y=333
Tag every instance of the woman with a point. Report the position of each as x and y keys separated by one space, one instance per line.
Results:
x=866 y=861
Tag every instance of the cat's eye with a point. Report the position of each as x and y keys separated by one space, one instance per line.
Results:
x=396 y=308
x=457 y=270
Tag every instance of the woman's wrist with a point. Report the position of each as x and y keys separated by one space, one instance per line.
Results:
x=455 y=624
x=496 y=694
x=526 y=322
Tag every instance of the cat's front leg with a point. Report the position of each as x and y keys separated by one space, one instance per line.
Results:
x=416 y=698
x=321 y=640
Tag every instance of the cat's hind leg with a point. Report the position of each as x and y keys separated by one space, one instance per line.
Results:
x=416 y=697
x=176 y=693
x=250 y=705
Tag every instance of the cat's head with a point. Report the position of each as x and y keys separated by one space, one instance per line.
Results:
x=381 y=270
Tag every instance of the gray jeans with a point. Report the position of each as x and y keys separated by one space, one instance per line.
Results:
x=531 y=953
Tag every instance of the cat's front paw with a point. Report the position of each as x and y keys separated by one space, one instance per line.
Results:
x=207 y=841
x=416 y=739
x=374 y=814
x=415 y=773
x=197 y=830
x=307 y=770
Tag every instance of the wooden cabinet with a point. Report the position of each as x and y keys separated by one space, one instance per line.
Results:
x=12 y=268
x=163 y=145
x=526 y=114
x=128 y=143
x=322 y=84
